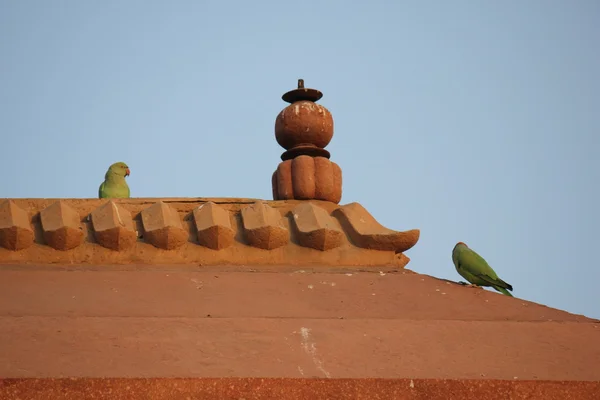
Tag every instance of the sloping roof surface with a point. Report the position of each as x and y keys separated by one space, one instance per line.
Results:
x=215 y=322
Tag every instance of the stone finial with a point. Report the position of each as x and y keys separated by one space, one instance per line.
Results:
x=62 y=226
x=162 y=227
x=15 y=227
x=316 y=228
x=113 y=227
x=263 y=226
x=213 y=226
x=304 y=129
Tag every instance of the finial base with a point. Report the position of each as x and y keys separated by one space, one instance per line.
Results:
x=307 y=178
x=305 y=150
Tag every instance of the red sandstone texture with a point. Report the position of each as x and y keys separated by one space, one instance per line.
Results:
x=61 y=226
x=213 y=224
x=110 y=312
x=304 y=129
x=169 y=322
x=15 y=227
x=315 y=228
x=341 y=324
x=305 y=177
x=304 y=389
x=196 y=232
x=304 y=122
x=113 y=227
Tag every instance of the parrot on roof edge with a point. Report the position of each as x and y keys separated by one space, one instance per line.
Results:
x=476 y=270
x=114 y=185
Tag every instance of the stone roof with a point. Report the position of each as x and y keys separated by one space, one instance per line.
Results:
x=251 y=323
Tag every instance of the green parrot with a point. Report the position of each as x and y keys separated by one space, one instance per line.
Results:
x=476 y=270
x=114 y=185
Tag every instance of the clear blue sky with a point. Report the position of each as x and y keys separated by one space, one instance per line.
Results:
x=475 y=121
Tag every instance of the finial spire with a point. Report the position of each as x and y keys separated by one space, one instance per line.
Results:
x=304 y=129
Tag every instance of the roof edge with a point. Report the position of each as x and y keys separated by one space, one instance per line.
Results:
x=296 y=388
x=199 y=231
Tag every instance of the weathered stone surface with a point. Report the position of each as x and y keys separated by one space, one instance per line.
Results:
x=15 y=227
x=324 y=179
x=263 y=226
x=336 y=196
x=284 y=181
x=238 y=254
x=162 y=227
x=401 y=260
x=307 y=178
x=304 y=122
x=294 y=389
x=113 y=226
x=316 y=228
x=303 y=177
x=274 y=185
x=214 y=226
x=293 y=327
x=367 y=233
x=62 y=226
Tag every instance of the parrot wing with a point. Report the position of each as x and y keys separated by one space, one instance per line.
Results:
x=477 y=266
x=101 y=193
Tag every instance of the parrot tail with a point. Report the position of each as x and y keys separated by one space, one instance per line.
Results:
x=503 y=291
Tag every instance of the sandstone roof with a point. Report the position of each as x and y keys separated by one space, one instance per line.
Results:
x=131 y=321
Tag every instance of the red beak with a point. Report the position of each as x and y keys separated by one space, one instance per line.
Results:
x=127 y=172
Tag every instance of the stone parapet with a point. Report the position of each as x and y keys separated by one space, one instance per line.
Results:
x=197 y=231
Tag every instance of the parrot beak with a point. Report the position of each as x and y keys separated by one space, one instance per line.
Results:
x=127 y=172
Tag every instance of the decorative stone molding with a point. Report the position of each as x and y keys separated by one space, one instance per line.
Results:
x=113 y=226
x=316 y=228
x=367 y=233
x=15 y=227
x=263 y=226
x=162 y=227
x=239 y=232
x=61 y=225
x=213 y=226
